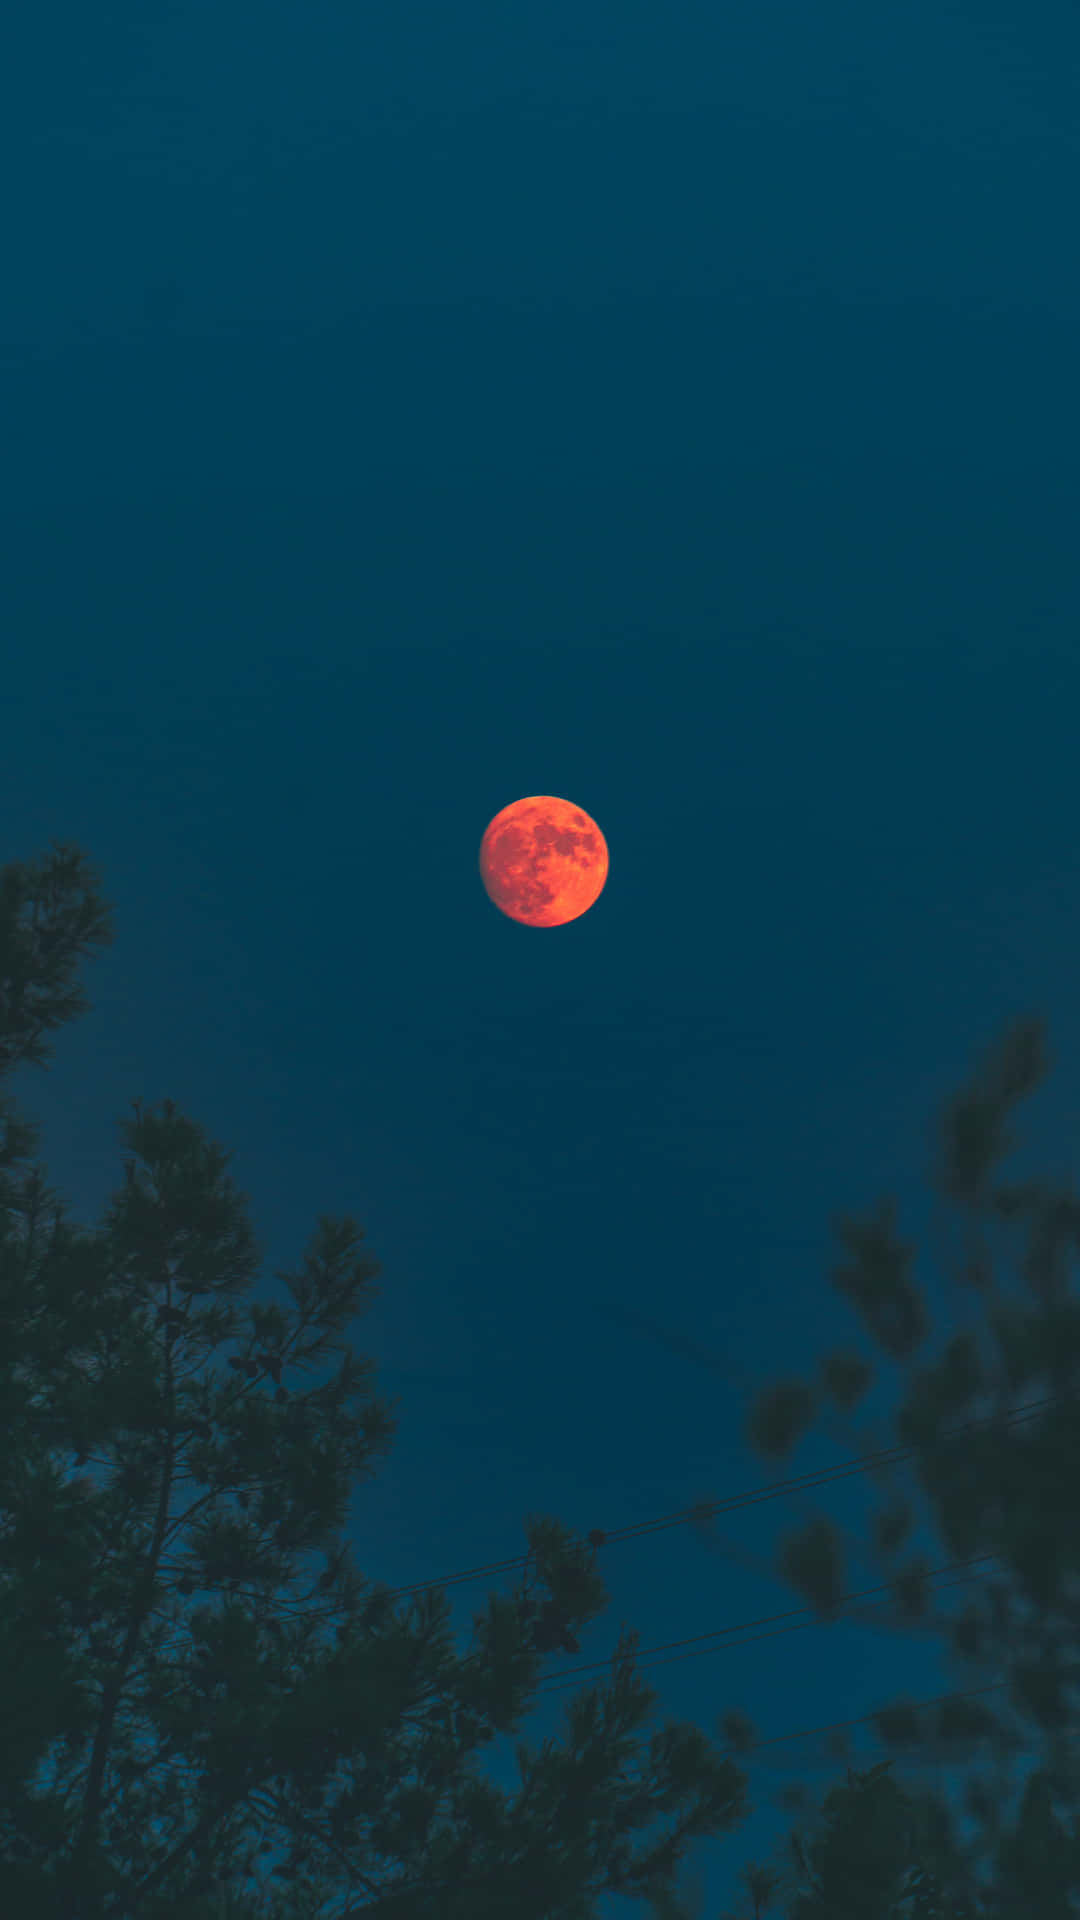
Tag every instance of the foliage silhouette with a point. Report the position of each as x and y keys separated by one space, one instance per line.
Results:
x=1006 y=1490
x=183 y=1694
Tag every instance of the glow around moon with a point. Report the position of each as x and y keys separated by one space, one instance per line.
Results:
x=543 y=861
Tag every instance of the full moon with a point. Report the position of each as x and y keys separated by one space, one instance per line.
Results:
x=543 y=861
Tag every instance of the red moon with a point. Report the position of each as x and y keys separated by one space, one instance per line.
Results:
x=543 y=861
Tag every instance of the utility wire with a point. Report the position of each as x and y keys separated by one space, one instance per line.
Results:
x=708 y=1509
x=699 y=1512
x=765 y=1619
x=568 y=1677
x=692 y=1647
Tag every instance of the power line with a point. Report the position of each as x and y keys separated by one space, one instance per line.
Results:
x=708 y=1509
x=692 y=1647
x=569 y=1677
x=764 y=1619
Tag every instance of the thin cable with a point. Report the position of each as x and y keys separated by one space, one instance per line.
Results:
x=692 y=1648
x=634 y=1659
x=708 y=1509
x=568 y=1676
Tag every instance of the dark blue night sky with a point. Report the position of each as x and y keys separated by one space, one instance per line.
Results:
x=406 y=409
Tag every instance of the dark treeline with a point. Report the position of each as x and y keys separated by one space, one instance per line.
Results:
x=210 y=1714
